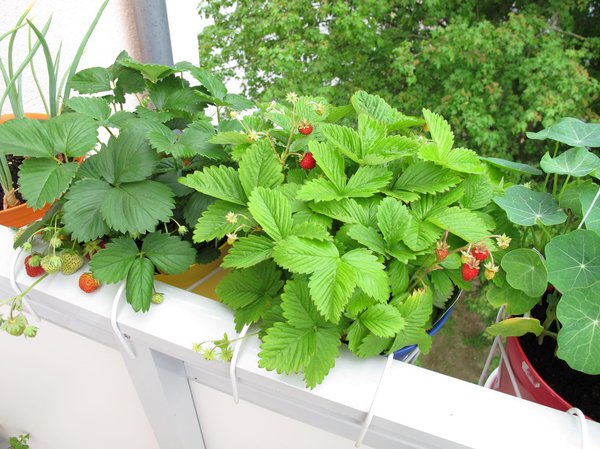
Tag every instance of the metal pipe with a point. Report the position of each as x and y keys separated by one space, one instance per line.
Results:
x=152 y=25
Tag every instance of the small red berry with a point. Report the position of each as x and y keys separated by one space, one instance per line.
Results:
x=550 y=288
x=308 y=161
x=305 y=128
x=33 y=268
x=87 y=283
x=480 y=252
x=470 y=270
x=441 y=250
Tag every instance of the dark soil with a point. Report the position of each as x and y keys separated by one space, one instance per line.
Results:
x=14 y=163
x=578 y=389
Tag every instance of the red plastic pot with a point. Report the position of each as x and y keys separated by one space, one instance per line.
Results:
x=531 y=385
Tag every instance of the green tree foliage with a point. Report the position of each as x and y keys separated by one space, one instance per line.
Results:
x=497 y=68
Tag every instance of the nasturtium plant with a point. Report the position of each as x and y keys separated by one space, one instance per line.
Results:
x=117 y=200
x=343 y=233
x=558 y=265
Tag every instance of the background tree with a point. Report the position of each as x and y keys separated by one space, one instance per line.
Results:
x=495 y=69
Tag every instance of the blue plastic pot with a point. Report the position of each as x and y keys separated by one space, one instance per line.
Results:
x=401 y=354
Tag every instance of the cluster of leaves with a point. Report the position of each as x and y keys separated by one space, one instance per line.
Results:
x=345 y=251
x=125 y=192
x=565 y=254
x=496 y=69
x=19 y=442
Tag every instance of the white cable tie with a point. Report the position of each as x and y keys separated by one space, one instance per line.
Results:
x=589 y=211
x=13 y=283
x=125 y=344
x=369 y=417
x=233 y=363
x=488 y=361
x=511 y=373
x=583 y=425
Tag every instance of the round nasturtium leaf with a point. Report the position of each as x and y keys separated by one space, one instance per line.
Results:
x=579 y=338
x=526 y=207
x=571 y=131
x=575 y=162
x=517 y=302
x=526 y=271
x=573 y=260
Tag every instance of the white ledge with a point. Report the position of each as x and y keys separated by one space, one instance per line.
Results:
x=417 y=408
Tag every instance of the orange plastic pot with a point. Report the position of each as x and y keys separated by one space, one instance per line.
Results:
x=21 y=215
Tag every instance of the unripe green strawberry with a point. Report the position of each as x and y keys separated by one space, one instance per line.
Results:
x=157 y=298
x=71 y=261
x=51 y=264
x=16 y=326
x=30 y=331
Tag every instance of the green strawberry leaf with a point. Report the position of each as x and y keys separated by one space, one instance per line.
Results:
x=375 y=107
x=94 y=107
x=331 y=288
x=152 y=72
x=91 y=81
x=305 y=256
x=248 y=251
x=260 y=167
x=478 y=192
x=112 y=264
x=391 y=214
x=327 y=344
x=369 y=274
x=138 y=207
x=461 y=222
x=526 y=271
x=459 y=159
x=272 y=211
x=319 y=190
x=44 y=180
x=368 y=237
x=82 y=210
x=25 y=137
x=220 y=182
x=526 y=207
x=344 y=139
x=573 y=260
x=384 y=320
x=331 y=162
x=367 y=181
x=195 y=205
x=416 y=311
x=420 y=235
x=440 y=130
x=571 y=131
x=139 y=284
x=169 y=253
x=426 y=177
x=286 y=348
x=72 y=134
x=579 y=337
x=575 y=162
x=230 y=138
x=515 y=327
x=215 y=86
x=213 y=223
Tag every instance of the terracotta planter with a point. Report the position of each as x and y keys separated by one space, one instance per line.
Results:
x=21 y=215
x=531 y=385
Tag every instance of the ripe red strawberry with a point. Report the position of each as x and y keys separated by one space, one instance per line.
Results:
x=470 y=270
x=87 y=283
x=32 y=267
x=308 y=161
x=480 y=252
x=441 y=250
x=305 y=128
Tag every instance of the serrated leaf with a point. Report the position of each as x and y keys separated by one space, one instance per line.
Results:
x=571 y=131
x=443 y=288
x=370 y=130
x=195 y=205
x=358 y=303
x=297 y=307
x=25 y=137
x=126 y=158
x=248 y=251
x=152 y=72
x=82 y=217
x=383 y=320
x=42 y=181
x=373 y=345
x=368 y=237
x=416 y=310
x=573 y=260
x=516 y=327
x=112 y=264
x=140 y=280
x=272 y=211
x=250 y=291
x=375 y=107
x=441 y=133
x=575 y=162
x=238 y=102
x=478 y=192
x=347 y=210
x=304 y=256
x=392 y=217
x=286 y=348
x=579 y=337
x=370 y=274
x=220 y=182
x=460 y=222
x=169 y=253
x=260 y=167
x=420 y=235
x=94 y=107
x=319 y=190
x=367 y=181
x=426 y=177
x=328 y=341
x=525 y=270
x=310 y=229
x=331 y=287
x=213 y=223
x=72 y=134
x=398 y=276
x=526 y=207
x=390 y=149
x=330 y=161
x=230 y=138
x=138 y=207
x=215 y=86
x=516 y=167
x=196 y=137
x=91 y=81
x=344 y=139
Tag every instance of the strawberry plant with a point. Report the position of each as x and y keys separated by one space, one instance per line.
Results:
x=120 y=205
x=344 y=234
x=557 y=263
